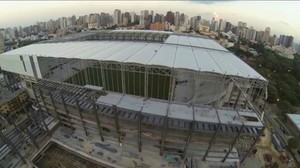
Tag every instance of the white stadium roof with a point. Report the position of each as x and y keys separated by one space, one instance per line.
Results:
x=177 y=51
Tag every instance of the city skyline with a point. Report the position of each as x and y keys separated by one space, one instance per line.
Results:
x=265 y=15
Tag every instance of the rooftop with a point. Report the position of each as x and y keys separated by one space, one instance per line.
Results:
x=179 y=51
x=295 y=118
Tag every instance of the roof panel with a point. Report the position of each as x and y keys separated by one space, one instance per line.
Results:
x=172 y=39
x=164 y=56
x=144 y=55
x=126 y=53
x=242 y=66
x=117 y=47
x=185 y=58
x=205 y=62
x=224 y=63
x=183 y=40
x=194 y=42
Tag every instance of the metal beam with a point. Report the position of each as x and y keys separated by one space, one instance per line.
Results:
x=117 y=124
x=192 y=126
x=97 y=119
x=43 y=100
x=231 y=146
x=146 y=83
x=172 y=88
x=212 y=142
x=103 y=76
x=140 y=131
x=123 y=79
x=237 y=99
x=40 y=110
x=253 y=144
x=53 y=105
x=80 y=114
x=12 y=146
x=65 y=108
x=163 y=135
x=30 y=135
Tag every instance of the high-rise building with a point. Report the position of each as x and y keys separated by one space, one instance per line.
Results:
x=195 y=21
x=260 y=36
x=273 y=40
x=242 y=24
x=170 y=17
x=222 y=24
x=1 y=43
x=228 y=27
x=144 y=17
x=132 y=16
x=117 y=16
x=266 y=34
x=285 y=41
x=177 y=19
x=158 y=18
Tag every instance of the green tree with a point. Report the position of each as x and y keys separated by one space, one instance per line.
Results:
x=272 y=93
x=293 y=143
x=286 y=107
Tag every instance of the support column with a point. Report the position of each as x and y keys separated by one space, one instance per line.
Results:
x=12 y=146
x=30 y=135
x=117 y=124
x=253 y=144
x=192 y=126
x=80 y=114
x=146 y=83
x=103 y=77
x=231 y=146
x=172 y=88
x=140 y=131
x=163 y=135
x=43 y=100
x=40 y=110
x=237 y=99
x=123 y=79
x=54 y=106
x=211 y=142
x=64 y=105
x=98 y=121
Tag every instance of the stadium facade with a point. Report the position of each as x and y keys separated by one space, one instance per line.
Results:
x=165 y=92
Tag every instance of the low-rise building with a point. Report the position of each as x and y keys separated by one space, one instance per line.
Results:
x=157 y=26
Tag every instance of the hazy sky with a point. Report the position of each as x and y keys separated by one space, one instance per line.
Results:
x=282 y=17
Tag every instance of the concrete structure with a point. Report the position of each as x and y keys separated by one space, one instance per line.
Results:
x=294 y=121
x=176 y=95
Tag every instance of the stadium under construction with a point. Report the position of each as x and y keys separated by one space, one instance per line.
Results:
x=153 y=93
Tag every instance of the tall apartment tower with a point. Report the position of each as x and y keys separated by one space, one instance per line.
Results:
x=266 y=34
x=117 y=16
x=144 y=16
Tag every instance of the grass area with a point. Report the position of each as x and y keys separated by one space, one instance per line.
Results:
x=158 y=85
